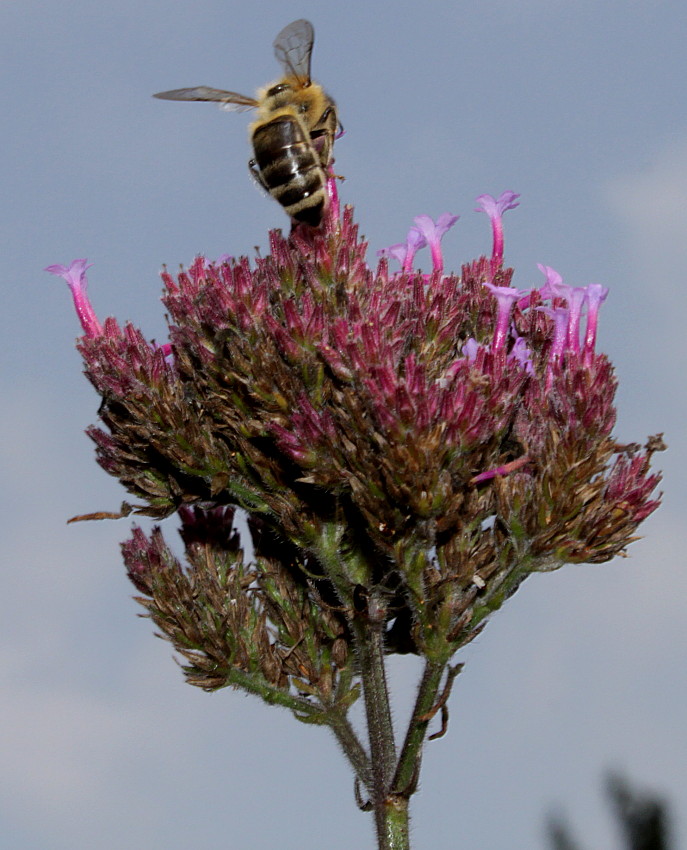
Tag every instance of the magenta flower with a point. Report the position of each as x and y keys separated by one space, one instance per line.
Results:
x=425 y=232
x=75 y=275
x=495 y=208
x=404 y=252
x=568 y=319
x=504 y=469
x=470 y=348
x=596 y=295
x=506 y=298
x=433 y=232
x=553 y=284
x=576 y=298
x=521 y=353
x=560 y=316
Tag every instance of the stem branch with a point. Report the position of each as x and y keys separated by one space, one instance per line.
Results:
x=353 y=749
x=426 y=706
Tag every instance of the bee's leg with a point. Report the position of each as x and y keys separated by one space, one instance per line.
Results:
x=324 y=120
x=324 y=134
x=318 y=139
x=256 y=175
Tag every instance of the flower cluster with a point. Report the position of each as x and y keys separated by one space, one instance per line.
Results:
x=408 y=447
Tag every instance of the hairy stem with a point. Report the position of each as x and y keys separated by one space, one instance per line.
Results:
x=353 y=749
x=273 y=695
x=369 y=634
x=408 y=769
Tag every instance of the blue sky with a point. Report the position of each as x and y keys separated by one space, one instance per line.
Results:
x=579 y=106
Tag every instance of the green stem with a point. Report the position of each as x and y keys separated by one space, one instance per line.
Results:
x=353 y=749
x=389 y=817
x=271 y=694
x=327 y=547
x=408 y=768
x=395 y=834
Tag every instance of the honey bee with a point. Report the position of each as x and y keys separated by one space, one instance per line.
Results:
x=294 y=133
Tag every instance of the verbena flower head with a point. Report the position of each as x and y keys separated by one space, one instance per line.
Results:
x=407 y=444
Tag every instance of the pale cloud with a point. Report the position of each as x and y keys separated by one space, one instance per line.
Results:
x=651 y=204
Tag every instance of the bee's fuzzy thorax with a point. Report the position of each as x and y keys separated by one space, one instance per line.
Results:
x=291 y=94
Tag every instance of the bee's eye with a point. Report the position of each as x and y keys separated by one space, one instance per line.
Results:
x=304 y=107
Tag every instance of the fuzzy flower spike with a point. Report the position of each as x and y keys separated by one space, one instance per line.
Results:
x=406 y=453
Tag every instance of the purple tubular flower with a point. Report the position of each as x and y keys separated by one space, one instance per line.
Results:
x=432 y=233
x=470 y=348
x=414 y=241
x=405 y=252
x=75 y=275
x=596 y=295
x=568 y=319
x=576 y=297
x=425 y=232
x=504 y=469
x=333 y=208
x=553 y=284
x=506 y=296
x=495 y=208
x=521 y=353
x=560 y=317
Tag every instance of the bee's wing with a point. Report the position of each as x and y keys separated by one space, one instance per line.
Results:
x=230 y=99
x=293 y=49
